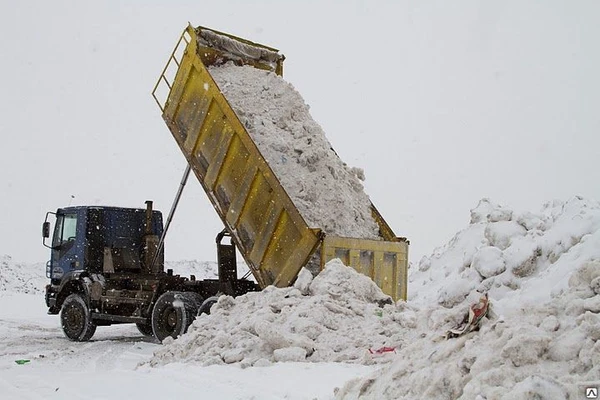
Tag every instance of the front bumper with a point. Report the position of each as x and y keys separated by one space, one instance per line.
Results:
x=51 y=295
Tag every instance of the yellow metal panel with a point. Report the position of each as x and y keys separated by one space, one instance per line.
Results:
x=234 y=166
x=366 y=263
x=388 y=273
x=280 y=252
x=240 y=194
x=383 y=261
x=355 y=259
x=265 y=233
x=378 y=272
x=343 y=254
x=219 y=155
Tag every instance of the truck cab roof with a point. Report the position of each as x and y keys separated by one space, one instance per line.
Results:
x=107 y=208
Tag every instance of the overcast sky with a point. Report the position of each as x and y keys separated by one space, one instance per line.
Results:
x=441 y=103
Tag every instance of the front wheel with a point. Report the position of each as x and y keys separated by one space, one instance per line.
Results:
x=173 y=313
x=76 y=320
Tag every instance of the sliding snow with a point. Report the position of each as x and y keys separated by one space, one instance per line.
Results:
x=328 y=194
x=339 y=316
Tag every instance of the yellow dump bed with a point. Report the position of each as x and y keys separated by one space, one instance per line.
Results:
x=266 y=226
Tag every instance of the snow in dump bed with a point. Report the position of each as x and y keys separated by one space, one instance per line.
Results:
x=338 y=317
x=328 y=194
x=238 y=49
x=542 y=274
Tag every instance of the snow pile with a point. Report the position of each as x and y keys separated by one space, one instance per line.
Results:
x=338 y=317
x=502 y=251
x=17 y=277
x=546 y=351
x=542 y=274
x=328 y=194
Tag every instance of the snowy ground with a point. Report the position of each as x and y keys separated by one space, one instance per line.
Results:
x=540 y=270
x=107 y=367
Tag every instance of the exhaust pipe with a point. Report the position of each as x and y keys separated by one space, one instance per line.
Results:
x=148 y=217
x=150 y=252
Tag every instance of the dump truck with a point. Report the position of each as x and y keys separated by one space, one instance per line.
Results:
x=107 y=263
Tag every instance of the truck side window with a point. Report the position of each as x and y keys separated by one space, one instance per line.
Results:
x=65 y=229
x=69 y=228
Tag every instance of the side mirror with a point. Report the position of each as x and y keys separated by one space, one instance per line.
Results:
x=46 y=230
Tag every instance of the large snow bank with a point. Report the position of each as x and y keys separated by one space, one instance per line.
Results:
x=502 y=251
x=328 y=193
x=17 y=277
x=338 y=316
x=542 y=274
x=549 y=350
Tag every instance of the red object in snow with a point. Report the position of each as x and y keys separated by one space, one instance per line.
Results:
x=476 y=314
x=383 y=350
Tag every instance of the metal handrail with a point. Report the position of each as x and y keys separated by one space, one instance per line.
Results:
x=163 y=76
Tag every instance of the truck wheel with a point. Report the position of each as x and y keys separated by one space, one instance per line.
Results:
x=173 y=313
x=76 y=320
x=208 y=303
x=194 y=300
x=145 y=328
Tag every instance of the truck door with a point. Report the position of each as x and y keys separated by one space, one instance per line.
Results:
x=66 y=245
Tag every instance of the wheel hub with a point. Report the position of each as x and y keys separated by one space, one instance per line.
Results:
x=171 y=318
x=73 y=319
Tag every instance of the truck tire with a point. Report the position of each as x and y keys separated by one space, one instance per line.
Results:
x=208 y=303
x=145 y=328
x=194 y=300
x=173 y=313
x=75 y=319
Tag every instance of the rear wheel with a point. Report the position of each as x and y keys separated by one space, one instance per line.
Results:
x=145 y=328
x=173 y=313
x=76 y=320
x=206 y=306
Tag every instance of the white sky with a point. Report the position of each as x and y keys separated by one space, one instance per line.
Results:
x=442 y=103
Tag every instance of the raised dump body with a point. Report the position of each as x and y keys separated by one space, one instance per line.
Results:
x=267 y=227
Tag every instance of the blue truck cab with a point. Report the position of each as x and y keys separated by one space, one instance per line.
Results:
x=86 y=237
